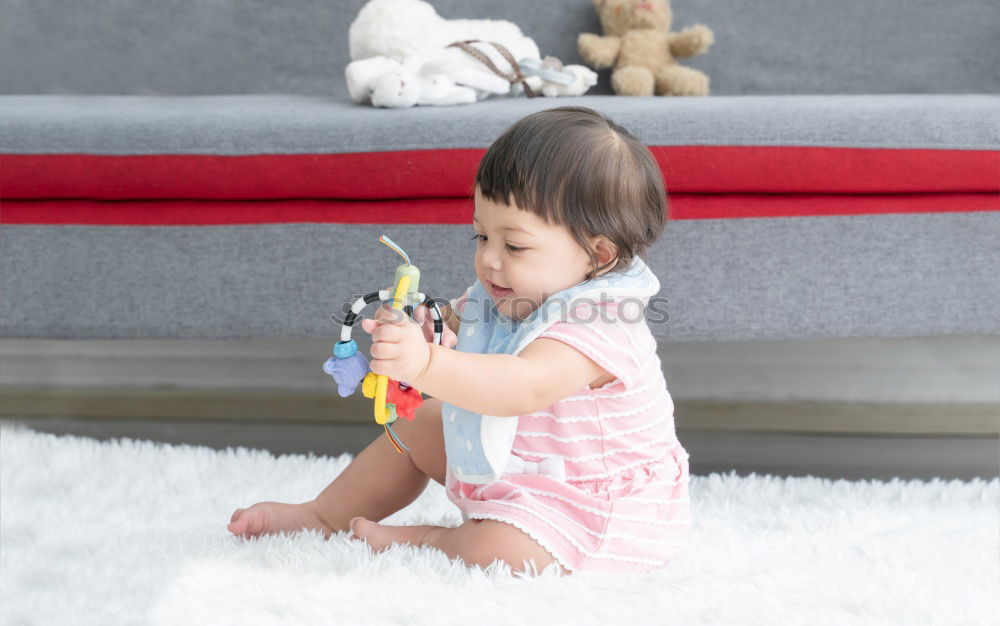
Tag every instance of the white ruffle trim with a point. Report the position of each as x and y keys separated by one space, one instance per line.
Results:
x=529 y=532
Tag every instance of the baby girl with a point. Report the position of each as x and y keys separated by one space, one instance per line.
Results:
x=595 y=480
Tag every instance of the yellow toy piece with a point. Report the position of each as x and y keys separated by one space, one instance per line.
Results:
x=368 y=384
x=383 y=416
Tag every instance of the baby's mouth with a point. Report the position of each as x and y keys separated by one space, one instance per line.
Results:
x=499 y=292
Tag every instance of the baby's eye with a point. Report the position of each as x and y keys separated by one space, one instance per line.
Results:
x=482 y=238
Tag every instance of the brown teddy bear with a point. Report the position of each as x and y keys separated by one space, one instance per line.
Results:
x=640 y=46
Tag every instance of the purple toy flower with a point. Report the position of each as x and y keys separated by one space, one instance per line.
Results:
x=348 y=372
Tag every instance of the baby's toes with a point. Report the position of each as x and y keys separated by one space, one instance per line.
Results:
x=369 y=531
x=247 y=523
x=380 y=536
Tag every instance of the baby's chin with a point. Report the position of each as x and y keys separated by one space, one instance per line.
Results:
x=514 y=307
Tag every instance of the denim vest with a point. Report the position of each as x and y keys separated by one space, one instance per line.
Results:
x=478 y=446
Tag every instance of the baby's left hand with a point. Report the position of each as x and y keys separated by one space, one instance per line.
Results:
x=399 y=349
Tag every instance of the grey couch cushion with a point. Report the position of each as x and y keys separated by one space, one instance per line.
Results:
x=190 y=47
x=302 y=124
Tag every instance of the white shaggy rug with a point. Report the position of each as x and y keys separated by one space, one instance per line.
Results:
x=134 y=532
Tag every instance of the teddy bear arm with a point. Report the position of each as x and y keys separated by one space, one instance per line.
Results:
x=599 y=52
x=691 y=41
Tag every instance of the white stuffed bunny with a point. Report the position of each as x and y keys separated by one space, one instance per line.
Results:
x=405 y=88
x=402 y=57
x=405 y=28
x=585 y=78
x=385 y=82
x=552 y=78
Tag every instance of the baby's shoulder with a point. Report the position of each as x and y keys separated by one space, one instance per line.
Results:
x=616 y=318
x=622 y=346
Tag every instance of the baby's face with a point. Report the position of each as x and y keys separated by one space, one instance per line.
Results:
x=522 y=260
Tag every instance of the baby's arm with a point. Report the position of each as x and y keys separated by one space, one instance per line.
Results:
x=545 y=372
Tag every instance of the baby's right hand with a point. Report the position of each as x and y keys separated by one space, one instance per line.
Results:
x=448 y=338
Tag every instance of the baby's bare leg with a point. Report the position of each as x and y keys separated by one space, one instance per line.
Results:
x=476 y=542
x=381 y=481
x=482 y=541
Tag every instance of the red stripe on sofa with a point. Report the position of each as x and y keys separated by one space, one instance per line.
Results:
x=450 y=173
x=457 y=210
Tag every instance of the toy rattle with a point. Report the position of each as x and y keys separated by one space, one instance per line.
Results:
x=348 y=367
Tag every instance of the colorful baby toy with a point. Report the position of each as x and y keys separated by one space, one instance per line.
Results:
x=348 y=367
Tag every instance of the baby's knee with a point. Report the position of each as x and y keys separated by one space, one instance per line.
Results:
x=428 y=411
x=425 y=439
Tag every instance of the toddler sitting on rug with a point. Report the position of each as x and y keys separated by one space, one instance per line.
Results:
x=595 y=479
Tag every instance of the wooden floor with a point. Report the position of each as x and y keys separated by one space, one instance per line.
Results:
x=781 y=454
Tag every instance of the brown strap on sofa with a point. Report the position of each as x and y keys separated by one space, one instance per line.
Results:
x=515 y=77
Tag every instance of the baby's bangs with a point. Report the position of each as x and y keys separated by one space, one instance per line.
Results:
x=555 y=163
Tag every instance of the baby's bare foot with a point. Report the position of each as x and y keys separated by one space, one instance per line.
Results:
x=268 y=518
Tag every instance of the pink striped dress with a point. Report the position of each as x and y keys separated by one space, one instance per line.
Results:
x=599 y=479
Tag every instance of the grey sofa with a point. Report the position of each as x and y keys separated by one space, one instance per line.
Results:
x=195 y=169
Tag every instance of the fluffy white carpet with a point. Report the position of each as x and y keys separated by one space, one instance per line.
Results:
x=132 y=532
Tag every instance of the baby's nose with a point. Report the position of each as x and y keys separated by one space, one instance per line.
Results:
x=491 y=261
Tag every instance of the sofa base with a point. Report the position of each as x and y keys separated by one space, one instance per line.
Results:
x=885 y=275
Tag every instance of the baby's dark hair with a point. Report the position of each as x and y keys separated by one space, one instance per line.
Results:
x=574 y=167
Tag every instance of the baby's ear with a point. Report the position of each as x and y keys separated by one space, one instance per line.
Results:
x=605 y=249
